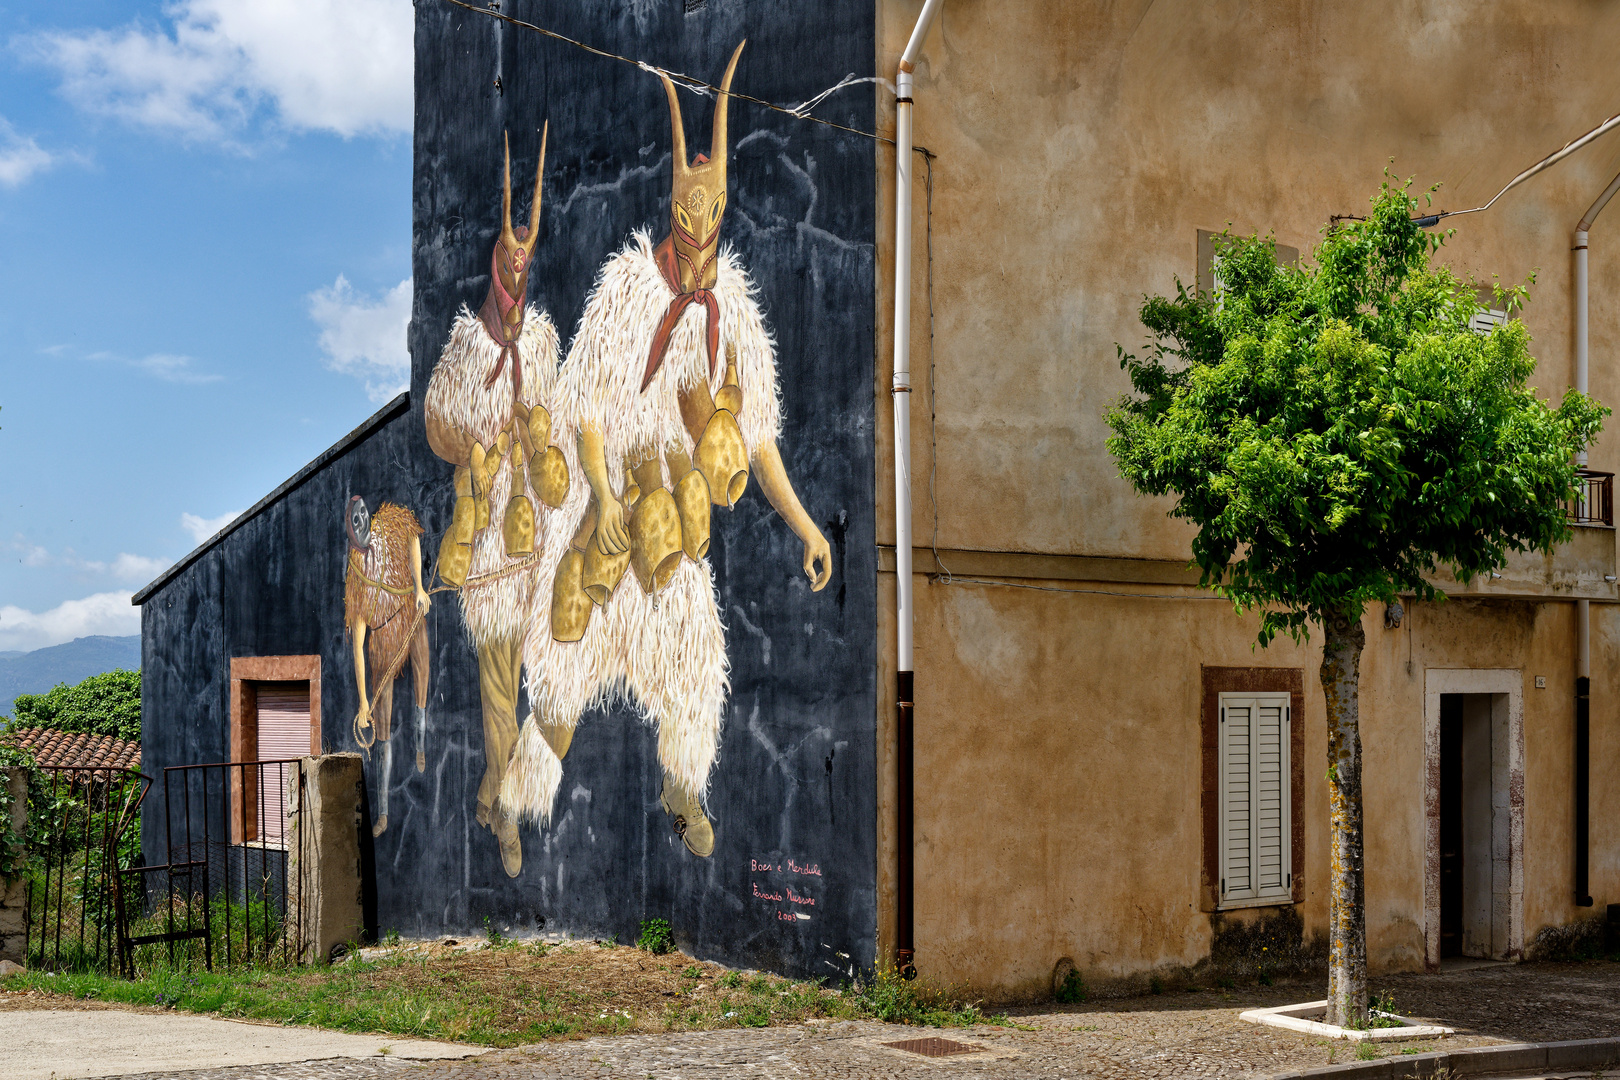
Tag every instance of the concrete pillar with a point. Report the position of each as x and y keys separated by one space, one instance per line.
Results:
x=323 y=845
x=14 y=890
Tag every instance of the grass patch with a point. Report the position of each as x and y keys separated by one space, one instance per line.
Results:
x=512 y=993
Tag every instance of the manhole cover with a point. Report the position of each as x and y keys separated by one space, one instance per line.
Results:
x=932 y=1047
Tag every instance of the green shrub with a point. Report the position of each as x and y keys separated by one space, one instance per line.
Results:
x=1073 y=991
x=656 y=937
x=105 y=704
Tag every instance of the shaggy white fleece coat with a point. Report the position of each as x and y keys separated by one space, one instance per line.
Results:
x=495 y=610
x=666 y=657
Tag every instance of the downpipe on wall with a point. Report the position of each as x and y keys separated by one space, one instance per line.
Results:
x=904 y=613
x=1583 y=608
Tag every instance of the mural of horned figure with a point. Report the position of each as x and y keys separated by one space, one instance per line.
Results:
x=486 y=415
x=668 y=399
x=384 y=611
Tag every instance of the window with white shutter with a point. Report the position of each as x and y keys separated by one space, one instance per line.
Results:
x=1254 y=800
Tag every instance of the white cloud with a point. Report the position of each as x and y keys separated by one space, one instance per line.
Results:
x=166 y=366
x=175 y=369
x=102 y=613
x=135 y=569
x=344 y=66
x=139 y=568
x=202 y=528
x=20 y=157
x=364 y=337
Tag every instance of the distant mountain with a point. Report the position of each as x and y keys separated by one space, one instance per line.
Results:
x=36 y=672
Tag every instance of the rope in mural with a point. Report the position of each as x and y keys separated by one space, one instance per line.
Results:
x=698 y=86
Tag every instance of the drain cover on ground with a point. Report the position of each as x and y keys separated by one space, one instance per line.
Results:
x=932 y=1047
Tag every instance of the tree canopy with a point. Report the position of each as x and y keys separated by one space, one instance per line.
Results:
x=105 y=704
x=1337 y=431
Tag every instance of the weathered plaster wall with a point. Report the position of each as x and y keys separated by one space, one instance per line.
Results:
x=1080 y=146
x=1058 y=776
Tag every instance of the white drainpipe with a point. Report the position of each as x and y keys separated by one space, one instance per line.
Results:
x=1583 y=608
x=904 y=614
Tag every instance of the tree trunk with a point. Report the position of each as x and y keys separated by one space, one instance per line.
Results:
x=1347 y=918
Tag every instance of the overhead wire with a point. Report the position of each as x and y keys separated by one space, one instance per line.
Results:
x=687 y=82
x=1545 y=163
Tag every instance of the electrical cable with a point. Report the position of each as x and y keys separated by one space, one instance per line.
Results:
x=687 y=82
x=1427 y=220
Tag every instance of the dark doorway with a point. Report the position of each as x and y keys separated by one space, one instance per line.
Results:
x=1451 y=825
x=1475 y=816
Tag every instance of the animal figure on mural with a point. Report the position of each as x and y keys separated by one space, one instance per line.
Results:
x=385 y=612
x=656 y=430
x=486 y=415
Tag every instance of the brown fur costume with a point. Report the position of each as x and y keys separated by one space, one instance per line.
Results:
x=378 y=591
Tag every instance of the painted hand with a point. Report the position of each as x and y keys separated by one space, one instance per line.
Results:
x=363 y=721
x=423 y=601
x=815 y=548
x=612 y=535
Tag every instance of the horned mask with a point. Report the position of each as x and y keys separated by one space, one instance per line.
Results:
x=502 y=312
x=699 y=195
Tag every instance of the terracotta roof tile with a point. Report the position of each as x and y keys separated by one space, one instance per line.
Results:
x=66 y=749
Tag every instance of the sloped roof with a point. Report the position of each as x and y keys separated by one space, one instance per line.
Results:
x=54 y=748
x=396 y=407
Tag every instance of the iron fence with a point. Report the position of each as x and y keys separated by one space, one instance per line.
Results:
x=79 y=837
x=232 y=888
x=1594 y=500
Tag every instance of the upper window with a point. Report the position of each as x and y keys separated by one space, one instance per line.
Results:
x=1255 y=803
x=1208 y=277
x=1487 y=319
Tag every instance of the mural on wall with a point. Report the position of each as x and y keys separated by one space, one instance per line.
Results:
x=486 y=414
x=385 y=610
x=667 y=401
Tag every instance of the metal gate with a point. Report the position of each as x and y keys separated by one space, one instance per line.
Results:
x=232 y=888
x=79 y=837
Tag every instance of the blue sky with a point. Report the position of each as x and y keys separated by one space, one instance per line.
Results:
x=204 y=275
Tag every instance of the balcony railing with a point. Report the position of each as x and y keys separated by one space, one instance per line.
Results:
x=1594 y=502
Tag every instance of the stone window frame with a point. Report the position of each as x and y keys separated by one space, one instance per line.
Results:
x=247 y=672
x=1215 y=681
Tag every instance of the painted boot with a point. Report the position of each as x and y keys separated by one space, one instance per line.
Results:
x=559 y=737
x=382 y=789
x=690 y=823
x=504 y=826
x=421 y=738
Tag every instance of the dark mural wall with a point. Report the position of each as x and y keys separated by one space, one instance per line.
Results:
x=792 y=794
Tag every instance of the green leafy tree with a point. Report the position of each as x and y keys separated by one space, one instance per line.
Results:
x=105 y=704
x=1339 y=436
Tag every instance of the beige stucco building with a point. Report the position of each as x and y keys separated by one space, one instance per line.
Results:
x=1069 y=797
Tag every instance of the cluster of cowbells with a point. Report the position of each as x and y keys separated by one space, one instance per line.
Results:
x=524 y=446
x=666 y=524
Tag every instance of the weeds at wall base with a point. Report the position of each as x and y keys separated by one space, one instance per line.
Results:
x=514 y=993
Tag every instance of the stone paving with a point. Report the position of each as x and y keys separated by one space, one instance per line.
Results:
x=1165 y=1036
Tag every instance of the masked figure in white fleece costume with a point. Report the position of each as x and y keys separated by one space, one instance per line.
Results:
x=667 y=399
x=486 y=414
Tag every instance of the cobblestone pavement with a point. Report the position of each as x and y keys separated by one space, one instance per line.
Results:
x=1165 y=1036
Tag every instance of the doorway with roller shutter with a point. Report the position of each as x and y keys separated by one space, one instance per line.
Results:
x=1475 y=815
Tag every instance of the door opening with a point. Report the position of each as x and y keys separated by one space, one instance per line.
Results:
x=1451 y=840
x=1473 y=797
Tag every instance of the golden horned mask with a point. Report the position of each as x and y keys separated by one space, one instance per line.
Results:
x=509 y=264
x=698 y=200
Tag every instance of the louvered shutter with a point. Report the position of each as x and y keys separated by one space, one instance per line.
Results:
x=283 y=733
x=1254 y=799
